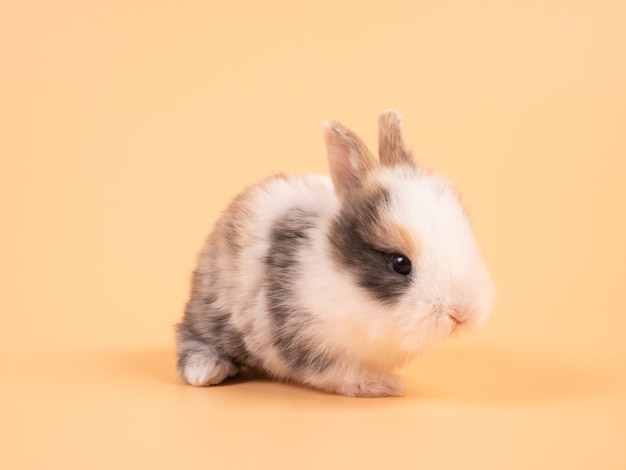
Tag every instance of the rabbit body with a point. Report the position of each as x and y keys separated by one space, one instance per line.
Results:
x=335 y=282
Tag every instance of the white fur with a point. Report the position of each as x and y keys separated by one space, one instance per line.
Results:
x=203 y=370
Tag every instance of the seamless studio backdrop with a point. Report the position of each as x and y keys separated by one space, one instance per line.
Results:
x=126 y=127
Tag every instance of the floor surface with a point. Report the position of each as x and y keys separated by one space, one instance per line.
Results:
x=125 y=127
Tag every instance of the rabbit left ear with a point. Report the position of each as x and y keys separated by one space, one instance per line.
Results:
x=393 y=149
x=349 y=159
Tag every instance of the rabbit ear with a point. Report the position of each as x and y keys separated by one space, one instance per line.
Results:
x=393 y=149
x=349 y=159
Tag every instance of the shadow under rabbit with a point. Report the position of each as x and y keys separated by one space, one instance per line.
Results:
x=477 y=375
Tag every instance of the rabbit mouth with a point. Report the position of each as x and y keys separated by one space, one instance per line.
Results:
x=454 y=322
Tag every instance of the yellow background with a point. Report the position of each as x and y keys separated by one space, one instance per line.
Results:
x=126 y=126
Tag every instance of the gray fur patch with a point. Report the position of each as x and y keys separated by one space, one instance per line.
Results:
x=349 y=233
x=289 y=236
x=206 y=322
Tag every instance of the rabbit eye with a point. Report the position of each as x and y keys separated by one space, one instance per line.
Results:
x=401 y=264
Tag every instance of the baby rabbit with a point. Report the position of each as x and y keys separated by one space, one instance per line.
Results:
x=335 y=282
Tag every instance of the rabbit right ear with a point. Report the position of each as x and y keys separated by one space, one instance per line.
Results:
x=349 y=159
x=393 y=148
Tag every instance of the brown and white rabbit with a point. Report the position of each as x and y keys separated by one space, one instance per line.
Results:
x=335 y=283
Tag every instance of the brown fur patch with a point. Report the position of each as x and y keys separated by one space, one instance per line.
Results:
x=384 y=234
x=400 y=238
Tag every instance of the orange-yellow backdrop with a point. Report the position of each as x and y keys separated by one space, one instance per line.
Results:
x=125 y=126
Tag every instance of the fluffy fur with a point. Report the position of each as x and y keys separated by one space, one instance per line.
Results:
x=297 y=277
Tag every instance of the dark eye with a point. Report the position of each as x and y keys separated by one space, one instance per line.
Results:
x=401 y=264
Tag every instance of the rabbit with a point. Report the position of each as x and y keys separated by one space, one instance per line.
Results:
x=333 y=283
